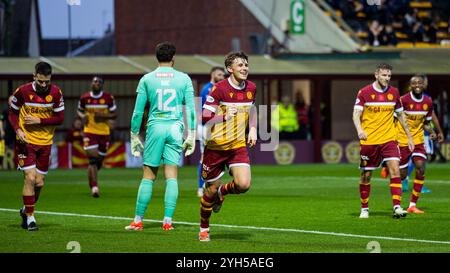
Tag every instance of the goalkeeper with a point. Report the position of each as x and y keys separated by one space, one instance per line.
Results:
x=166 y=90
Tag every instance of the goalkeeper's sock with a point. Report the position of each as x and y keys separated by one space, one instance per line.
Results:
x=167 y=220
x=170 y=198
x=144 y=196
x=138 y=219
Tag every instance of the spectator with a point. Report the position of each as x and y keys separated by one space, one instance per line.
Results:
x=303 y=116
x=75 y=133
x=375 y=33
x=284 y=119
x=10 y=135
x=388 y=37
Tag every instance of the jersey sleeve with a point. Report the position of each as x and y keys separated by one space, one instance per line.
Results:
x=190 y=104
x=58 y=106
x=82 y=104
x=112 y=104
x=17 y=100
x=139 y=107
x=360 y=101
x=398 y=103
x=430 y=112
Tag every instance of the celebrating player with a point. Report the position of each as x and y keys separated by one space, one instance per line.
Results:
x=228 y=110
x=96 y=108
x=36 y=108
x=166 y=89
x=418 y=110
x=217 y=74
x=373 y=117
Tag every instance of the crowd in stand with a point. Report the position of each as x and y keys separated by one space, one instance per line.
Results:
x=382 y=22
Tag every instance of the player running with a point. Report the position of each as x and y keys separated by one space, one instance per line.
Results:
x=36 y=109
x=96 y=108
x=167 y=90
x=228 y=110
x=373 y=117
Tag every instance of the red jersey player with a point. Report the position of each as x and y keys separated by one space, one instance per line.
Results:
x=226 y=113
x=35 y=109
x=96 y=108
x=373 y=116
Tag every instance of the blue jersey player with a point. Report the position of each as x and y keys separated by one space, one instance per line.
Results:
x=217 y=74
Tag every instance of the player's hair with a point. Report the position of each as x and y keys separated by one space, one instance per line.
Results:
x=100 y=77
x=229 y=59
x=43 y=68
x=421 y=76
x=383 y=66
x=165 y=52
x=217 y=68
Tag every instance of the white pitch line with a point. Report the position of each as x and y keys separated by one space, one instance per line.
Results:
x=243 y=227
x=356 y=179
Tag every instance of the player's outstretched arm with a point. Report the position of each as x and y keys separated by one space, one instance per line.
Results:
x=357 y=122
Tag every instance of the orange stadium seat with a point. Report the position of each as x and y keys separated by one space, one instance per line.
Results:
x=421 y=5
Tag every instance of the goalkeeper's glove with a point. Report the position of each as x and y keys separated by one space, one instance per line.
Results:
x=136 y=145
x=189 y=143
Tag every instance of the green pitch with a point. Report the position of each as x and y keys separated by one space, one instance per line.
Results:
x=301 y=208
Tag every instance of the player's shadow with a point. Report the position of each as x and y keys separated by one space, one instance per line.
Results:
x=374 y=213
x=40 y=226
x=237 y=236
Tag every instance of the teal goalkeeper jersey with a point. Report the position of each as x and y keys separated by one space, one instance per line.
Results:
x=166 y=90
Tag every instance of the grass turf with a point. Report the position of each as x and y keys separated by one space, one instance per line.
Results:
x=290 y=200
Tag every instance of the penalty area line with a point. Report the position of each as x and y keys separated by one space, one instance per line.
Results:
x=242 y=227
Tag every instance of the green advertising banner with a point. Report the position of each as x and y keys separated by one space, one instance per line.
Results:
x=297 y=18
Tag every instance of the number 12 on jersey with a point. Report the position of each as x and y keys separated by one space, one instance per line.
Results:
x=163 y=105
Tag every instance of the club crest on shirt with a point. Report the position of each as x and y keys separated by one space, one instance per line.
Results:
x=425 y=107
x=102 y=101
x=249 y=95
x=48 y=98
x=21 y=162
x=390 y=97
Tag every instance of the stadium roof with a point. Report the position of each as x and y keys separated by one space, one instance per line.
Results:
x=406 y=61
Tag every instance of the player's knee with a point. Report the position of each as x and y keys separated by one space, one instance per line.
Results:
x=30 y=178
x=420 y=171
x=366 y=176
x=243 y=185
x=39 y=182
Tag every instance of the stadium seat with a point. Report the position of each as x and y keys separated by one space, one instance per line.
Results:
x=421 y=5
x=405 y=45
x=401 y=35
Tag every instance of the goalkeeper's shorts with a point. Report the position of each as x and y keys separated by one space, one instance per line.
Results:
x=163 y=144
